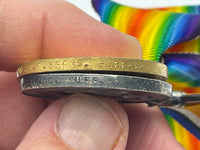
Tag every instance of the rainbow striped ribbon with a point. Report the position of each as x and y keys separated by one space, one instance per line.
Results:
x=173 y=32
x=183 y=71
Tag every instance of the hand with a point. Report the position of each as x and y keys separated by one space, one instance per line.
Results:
x=34 y=29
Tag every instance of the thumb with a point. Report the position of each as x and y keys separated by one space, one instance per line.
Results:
x=79 y=122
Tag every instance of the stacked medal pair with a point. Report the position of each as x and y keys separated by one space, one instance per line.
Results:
x=123 y=79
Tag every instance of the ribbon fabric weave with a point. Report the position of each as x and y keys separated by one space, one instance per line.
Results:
x=171 y=34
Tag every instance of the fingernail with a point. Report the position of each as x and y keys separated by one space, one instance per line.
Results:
x=88 y=123
x=137 y=48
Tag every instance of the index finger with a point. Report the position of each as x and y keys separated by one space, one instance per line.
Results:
x=32 y=29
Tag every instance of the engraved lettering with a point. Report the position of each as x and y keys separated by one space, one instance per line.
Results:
x=116 y=82
x=55 y=64
x=101 y=82
x=116 y=64
x=123 y=64
x=50 y=80
x=56 y=81
x=39 y=81
x=42 y=66
x=78 y=79
x=109 y=81
x=94 y=80
x=43 y=81
x=136 y=66
x=29 y=66
x=78 y=63
x=102 y=64
x=70 y=63
x=71 y=79
x=129 y=67
x=39 y=65
x=65 y=64
x=109 y=64
x=86 y=79
x=51 y=64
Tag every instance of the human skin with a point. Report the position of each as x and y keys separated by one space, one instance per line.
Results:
x=35 y=29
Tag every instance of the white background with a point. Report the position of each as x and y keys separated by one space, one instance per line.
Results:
x=87 y=7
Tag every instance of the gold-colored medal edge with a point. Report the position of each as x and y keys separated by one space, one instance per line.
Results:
x=110 y=64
